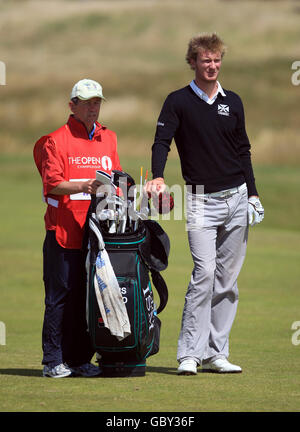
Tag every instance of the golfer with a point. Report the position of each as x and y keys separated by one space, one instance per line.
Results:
x=207 y=123
x=67 y=160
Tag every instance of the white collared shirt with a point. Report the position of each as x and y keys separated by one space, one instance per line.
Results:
x=202 y=95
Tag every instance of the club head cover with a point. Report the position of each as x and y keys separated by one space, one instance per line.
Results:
x=163 y=202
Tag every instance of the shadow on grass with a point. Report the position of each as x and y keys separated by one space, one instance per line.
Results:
x=162 y=370
x=22 y=372
x=38 y=372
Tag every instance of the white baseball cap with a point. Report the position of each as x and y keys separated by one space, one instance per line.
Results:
x=87 y=89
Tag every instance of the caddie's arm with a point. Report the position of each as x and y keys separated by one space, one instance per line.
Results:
x=52 y=171
x=73 y=187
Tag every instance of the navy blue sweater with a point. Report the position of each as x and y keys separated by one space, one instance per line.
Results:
x=211 y=140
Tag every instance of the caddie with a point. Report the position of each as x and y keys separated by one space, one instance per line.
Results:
x=67 y=160
x=208 y=126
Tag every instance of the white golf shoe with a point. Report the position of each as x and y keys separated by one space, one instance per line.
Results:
x=59 y=371
x=221 y=365
x=187 y=367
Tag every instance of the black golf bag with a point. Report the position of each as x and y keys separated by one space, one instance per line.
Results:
x=134 y=255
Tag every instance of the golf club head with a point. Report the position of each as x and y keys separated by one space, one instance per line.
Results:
x=122 y=180
x=105 y=214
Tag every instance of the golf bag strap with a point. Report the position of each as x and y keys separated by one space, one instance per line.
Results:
x=161 y=288
x=86 y=230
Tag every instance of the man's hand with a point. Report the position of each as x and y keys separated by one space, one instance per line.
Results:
x=90 y=186
x=255 y=211
x=155 y=186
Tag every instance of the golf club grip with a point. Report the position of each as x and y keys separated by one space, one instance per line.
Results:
x=93 y=202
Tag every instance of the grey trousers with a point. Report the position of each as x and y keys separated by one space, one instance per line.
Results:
x=217 y=232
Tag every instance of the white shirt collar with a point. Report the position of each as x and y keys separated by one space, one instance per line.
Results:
x=204 y=96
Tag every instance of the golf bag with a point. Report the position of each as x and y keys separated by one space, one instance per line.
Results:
x=129 y=258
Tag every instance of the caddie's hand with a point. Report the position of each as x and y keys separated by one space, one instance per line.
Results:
x=256 y=211
x=155 y=186
x=90 y=186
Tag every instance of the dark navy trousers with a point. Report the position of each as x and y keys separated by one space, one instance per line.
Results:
x=64 y=338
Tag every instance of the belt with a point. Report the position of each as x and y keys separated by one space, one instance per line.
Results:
x=225 y=193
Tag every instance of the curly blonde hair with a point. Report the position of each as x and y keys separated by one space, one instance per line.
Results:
x=205 y=42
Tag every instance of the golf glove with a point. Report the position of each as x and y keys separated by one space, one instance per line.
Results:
x=255 y=211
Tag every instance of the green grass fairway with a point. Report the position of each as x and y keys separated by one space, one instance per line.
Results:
x=136 y=50
x=260 y=338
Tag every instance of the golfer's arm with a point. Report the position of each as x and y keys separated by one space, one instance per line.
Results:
x=167 y=124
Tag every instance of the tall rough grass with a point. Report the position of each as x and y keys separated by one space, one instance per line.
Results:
x=136 y=49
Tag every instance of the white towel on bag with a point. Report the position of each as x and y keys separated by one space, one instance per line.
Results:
x=110 y=301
